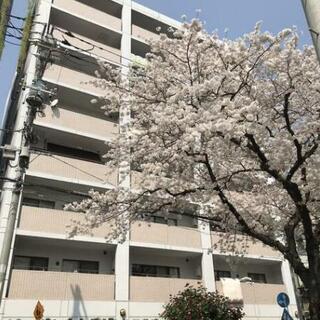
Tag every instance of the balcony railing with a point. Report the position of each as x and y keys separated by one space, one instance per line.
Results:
x=157 y=233
x=74 y=79
x=75 y=170
x=78 y=123
x=55 y=221
x=148 y=289
x=241 y=244
x=49 y=285
x=143 y=34
x=258 y=293
x=89 y=13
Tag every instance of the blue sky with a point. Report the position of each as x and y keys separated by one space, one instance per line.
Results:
x=238 y=16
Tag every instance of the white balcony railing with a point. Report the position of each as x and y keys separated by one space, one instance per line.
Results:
x=144 y=34
x=150 y=289
x=73 y=79
x=78 y=123
x=73 y=170
x=49 y=285
x=156 y=233
x=55 y=221
x=258 y=293
x=241 y=245
x=89 y=13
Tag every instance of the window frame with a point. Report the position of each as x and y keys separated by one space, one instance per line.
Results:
x=31 y=265
x=252 y=275
x=218 y=274
x=38 y=203
x=171 y=272
x=79 y=269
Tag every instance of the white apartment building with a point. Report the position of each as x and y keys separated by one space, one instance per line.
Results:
x=86 y=277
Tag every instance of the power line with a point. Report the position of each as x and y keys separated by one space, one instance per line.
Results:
x=11 y=130
x=70 y=34
x=16 y=17
x=12 y=26
x=47 y=153
x=12 y=43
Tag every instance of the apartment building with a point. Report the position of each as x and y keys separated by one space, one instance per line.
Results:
x=86 y=276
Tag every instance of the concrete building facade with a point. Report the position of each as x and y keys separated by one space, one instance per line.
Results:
x=87 y=277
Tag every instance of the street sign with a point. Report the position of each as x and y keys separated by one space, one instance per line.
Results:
x=283 y=300
x=286 y=315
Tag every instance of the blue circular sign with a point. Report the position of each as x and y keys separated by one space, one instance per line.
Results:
x=283 y=300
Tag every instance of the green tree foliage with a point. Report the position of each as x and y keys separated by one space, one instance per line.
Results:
x=199 y=304
x=26 y=34
x=5 y=9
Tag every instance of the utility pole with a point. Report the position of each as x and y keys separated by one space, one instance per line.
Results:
x=30 y=101
x=312 y=12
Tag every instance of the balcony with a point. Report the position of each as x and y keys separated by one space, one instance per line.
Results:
x=165 y=235
x=73 y=79
x=258 y=293
x=144 y=34
x=50 y=285
x=242 y=245
x=77 y=123
x=54 y=221
x=151 y=289
x=100 y=49
x=89 y=13
x=72 y=170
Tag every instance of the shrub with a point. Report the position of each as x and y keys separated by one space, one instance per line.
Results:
x=199 y=304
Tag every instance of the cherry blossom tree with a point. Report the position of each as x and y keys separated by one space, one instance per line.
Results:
x=227 y=128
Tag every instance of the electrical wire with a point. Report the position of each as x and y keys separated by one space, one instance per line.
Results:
x=47 y=153
x=77 y=168
x=16 y=17
x=12 y=43
x=95 y=63
x=70 y=34
x=11 y=130
x=10 y=35
x=12 y=26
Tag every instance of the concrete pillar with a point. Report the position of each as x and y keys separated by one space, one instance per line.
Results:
x=122 y=278
x=122 y=263
x=287 y=280
x=207 y=259
x=10 y=206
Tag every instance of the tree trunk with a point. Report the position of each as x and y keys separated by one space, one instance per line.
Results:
x=314 y=301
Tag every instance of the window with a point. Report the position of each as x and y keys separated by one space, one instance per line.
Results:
x=80 y=266
x=30 y=263
x=222 y=274
x=143 y=270
x=258 y=277
x=162 y=220
x=38 y=203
